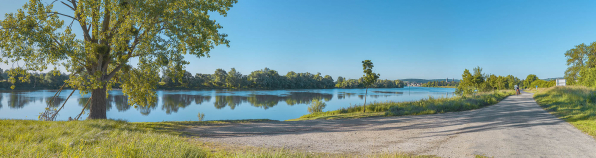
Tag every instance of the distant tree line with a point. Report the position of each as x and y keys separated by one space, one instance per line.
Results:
x=440 y=84
x=532 y=81
x=267 y=79
x=51 y=80
x=220 y=79
x=358 y=83
x=582 y=65
x=479 y=82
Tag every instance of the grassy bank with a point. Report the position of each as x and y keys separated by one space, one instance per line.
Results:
x=421 y=107
x=534 y=90
x=576 y=105
x=95 y=138
x=109 y=138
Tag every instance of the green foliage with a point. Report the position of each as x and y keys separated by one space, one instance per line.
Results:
x=587 y=77
x=440 y=84
x=529 y=80
x=219 y=80
x=441 y=105
x=51 y=80
x=369 y=77
x=201 y=116
x=156 y=33
x=581 y=57
x=479 y=82
x=466 y=85
x=269 y=79
x=542 y=84
x=358 y=83
x=576 y=105
x=478 y=78
x=90 y=138
x=316 y=106
x=420 y=107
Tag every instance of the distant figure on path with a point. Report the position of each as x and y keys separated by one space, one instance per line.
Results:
x=517 y=90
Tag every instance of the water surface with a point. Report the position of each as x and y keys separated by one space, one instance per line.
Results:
x=215 y=104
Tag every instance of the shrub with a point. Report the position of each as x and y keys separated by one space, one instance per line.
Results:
x=316 y=106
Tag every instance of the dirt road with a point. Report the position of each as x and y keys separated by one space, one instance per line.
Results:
x=515 y=127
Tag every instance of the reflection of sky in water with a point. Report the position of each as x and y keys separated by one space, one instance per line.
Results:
x=215 y=104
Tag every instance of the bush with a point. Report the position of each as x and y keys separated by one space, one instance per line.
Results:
x=316 y=106
x=425 y=106
x=442 y=105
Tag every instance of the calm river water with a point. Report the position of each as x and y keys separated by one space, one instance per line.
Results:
x=215 y=104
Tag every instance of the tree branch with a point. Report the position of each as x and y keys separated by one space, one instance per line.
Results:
x=134 y=45
x=82 y=24
x=113 y=73
x=68 y=5
x=64 y=15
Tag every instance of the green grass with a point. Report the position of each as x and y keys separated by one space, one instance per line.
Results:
x=96 y=138
x=576 y=105
x=421 y=107
x=534 y=90
x=110 y=138
x=176 y=127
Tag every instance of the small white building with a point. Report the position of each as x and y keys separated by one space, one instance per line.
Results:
x=560 y=82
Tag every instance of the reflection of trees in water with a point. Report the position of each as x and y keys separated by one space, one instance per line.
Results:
x=145 y=110
x=373 y=96
x=343 y=95
x=57 y=101
x=306 y=97
x=199 y=99
x=1 y=95
x=388 y=92
x=267 y=101
x=232 y=101
x=120 y=101
x=172 y=102
x=83 y=101
x=17 y=100
x=264 y=101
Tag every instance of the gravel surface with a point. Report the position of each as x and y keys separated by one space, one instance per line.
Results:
x=515 y=127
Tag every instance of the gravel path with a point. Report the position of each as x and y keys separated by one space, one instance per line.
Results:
x=515 y=127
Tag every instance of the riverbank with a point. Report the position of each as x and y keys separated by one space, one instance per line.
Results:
x=514 y=127
x=420 y=107
x=110 y=138
x=574 y=104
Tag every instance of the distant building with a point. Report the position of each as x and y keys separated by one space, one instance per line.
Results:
x=560 y=82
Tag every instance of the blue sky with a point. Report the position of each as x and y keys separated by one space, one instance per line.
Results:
x=404 y=39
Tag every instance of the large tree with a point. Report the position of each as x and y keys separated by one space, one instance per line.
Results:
x=529 y=80
x=157 y=33
x=580 y=56
x=369 y=78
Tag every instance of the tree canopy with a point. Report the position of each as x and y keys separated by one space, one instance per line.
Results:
x=369 y=78
x=582 y=65
x=155 y=32
x=481 y=82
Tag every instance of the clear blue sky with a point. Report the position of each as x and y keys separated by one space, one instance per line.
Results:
x=404 y=39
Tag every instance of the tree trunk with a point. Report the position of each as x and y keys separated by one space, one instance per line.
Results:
x=98 y=104
x=365 y=94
